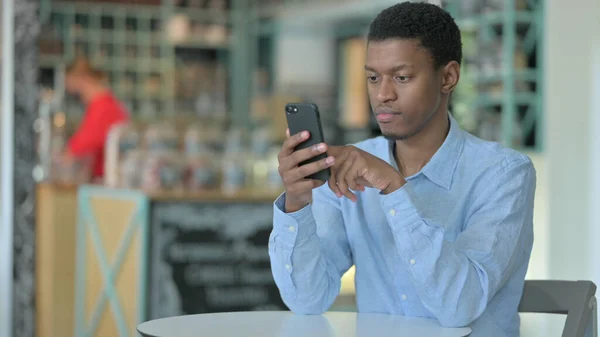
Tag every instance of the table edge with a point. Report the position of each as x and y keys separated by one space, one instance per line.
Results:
x=468 y=328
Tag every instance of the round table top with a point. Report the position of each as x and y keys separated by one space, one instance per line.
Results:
x=287 y=324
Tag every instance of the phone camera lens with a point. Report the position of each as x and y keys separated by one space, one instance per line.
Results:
x=288 y=109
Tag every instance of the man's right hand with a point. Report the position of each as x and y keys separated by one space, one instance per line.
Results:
x=298 y=189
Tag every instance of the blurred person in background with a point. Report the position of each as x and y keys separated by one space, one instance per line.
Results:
x=102 y=111
x=438 y=222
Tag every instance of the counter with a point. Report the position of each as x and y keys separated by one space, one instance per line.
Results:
x=109 y=259
x=143 y=256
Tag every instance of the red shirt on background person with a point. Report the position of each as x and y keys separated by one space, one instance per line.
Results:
x=103 y=111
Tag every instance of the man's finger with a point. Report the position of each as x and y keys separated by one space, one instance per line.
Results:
x=361 y=183
x=332 y=182
x=340 y=157
x=311 y=168
x=342 y=178
x=295 y=158
x=290 y=144
x=308 y=153
x=353 y=178
x=287 y=133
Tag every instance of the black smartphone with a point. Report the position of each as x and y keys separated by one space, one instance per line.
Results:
x=305 y=117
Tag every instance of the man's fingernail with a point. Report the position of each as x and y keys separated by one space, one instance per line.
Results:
x=305 y=134
x=321 y=147
x=329 y=160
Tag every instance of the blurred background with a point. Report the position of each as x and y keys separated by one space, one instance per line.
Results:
x=177 y=222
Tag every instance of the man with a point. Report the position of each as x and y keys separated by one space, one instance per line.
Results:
x=103 y=111
x=437 y=222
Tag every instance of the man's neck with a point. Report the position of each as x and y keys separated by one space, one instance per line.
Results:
x=414 y=153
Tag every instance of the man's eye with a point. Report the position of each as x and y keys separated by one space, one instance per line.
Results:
x=372 y=78
x=402 y=78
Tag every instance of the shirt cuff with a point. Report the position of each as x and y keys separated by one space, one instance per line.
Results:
x=295 y=226
x=411 y=232
x=402 y=215
x=399 y=203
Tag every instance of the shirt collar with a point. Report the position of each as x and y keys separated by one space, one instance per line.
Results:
x=440 y=168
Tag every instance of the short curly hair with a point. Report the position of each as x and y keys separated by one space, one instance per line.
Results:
x=431 y=25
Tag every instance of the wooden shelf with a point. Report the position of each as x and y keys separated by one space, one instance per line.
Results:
x=215 y=195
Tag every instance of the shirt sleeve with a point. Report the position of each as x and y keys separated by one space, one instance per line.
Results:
x=456 y=280
x=309 y=252
x=91 y=135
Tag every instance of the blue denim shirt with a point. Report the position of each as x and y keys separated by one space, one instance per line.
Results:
x=452 y=244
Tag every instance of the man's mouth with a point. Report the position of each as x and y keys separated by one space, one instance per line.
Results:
x=385 y=115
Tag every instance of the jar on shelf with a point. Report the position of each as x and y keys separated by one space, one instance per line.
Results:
x=198 y=139
x=161 y=136
x=130 y=168
x=202 y=172
x=234 y=173
x=163 y=171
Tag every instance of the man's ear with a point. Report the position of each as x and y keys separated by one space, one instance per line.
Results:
x=451 y=75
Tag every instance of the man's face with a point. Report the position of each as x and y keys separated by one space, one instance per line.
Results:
x=72 y=83
x=404 y=88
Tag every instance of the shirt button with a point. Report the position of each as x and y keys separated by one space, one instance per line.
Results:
x=288 y=267
x=404 y=297
x=412 y=261
x=392 y=212
x=292 y=229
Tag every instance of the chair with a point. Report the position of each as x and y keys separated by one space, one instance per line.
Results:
x=576 y=299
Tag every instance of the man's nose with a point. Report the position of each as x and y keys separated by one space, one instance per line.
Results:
x=386 y=92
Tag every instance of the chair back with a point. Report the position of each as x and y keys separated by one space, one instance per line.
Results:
x=576 y=299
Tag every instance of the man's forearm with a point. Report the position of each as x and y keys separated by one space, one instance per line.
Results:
x=307 y=281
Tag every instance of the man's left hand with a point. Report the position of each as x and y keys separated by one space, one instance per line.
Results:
x=356 y=169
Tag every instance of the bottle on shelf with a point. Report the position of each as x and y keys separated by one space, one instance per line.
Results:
x=234 y=163
x=163 y=171
x=260 y=145
x=164 y=167
x=202 y=170
x=161 y=135
x=265 y=165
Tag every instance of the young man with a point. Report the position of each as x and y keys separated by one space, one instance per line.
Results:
x=437 y=222
x=103 y=110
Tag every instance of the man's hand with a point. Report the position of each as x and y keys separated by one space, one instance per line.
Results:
x=356 y=169
x=298 y=189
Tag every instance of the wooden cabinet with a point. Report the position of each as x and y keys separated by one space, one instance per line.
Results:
x=56 y=216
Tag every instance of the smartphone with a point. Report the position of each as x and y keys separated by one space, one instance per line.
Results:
x=305 y=117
